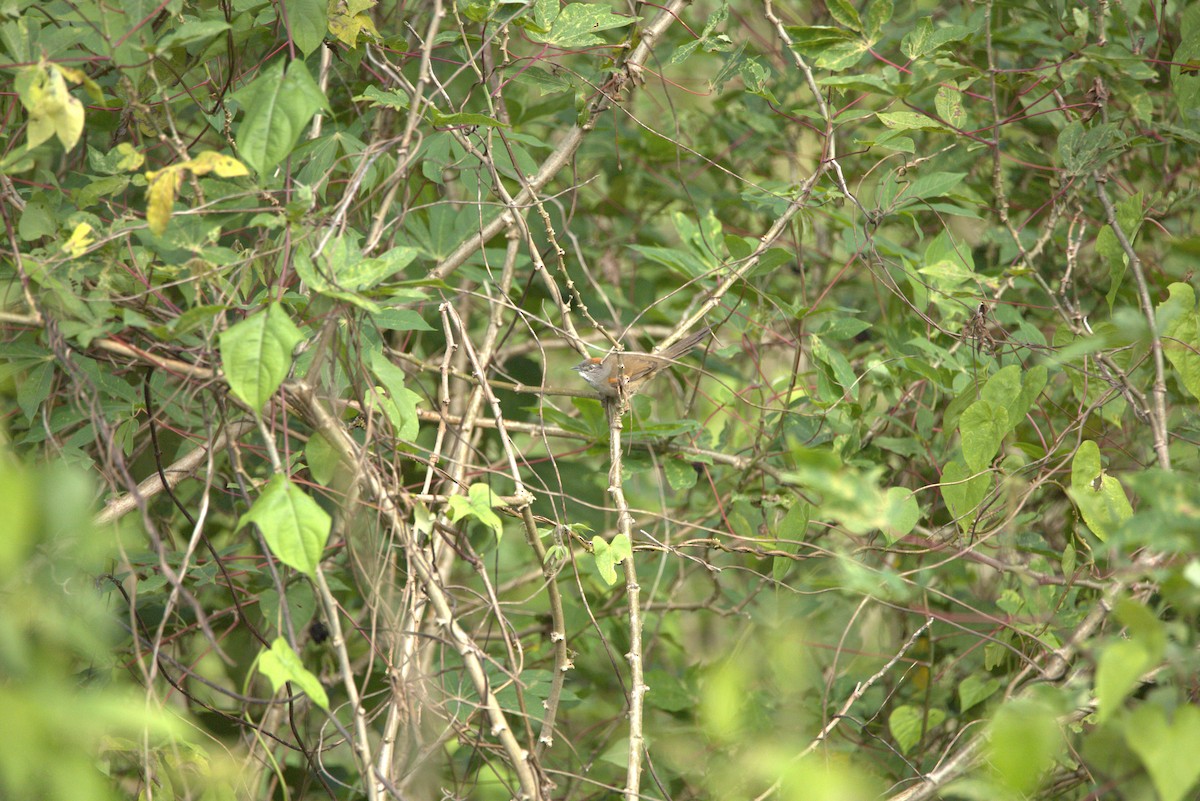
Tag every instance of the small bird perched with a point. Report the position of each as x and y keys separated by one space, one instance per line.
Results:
x=624 y=373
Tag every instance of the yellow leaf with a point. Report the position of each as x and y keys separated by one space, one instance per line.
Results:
x=131 y=159
x=31 y=88
x=30 y=85
x=347 y=27
x=165 y=183
x=920 y=677
x=211 y=161
x=40 y=129
x=71 y=74
x=79 y=76
x=161 y=196
x=53 y=111
x=81 y=239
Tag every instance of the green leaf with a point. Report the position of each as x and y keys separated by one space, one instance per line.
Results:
x=816 y=38
x=603 y=558
x=842 y=328
x=668 y=692
x=622 y=549
x=392 y=98
x=401 y=320
x=308 y=21
x=122 y=158
x=683 y=262
x=858 y=83
x=843 y=373
x=949 y=104
x=1100 y=498
x=829 y=48
x=321 y=282
x=402 y=409
x=478 y=504
x=904 y=512
x=845 y=14
x=908 y=723
x=795 y=523
x=1082 y=150
x=680 y=474
x=1120 y=666
x=192 y=31
x=256 y=355
x=973 y=689
x=464 y=118
x=100 y=187
x=281 y=664
x=1068 y=560
x=1003 y=388
x=1073 y=350
x=847 y=494
x=300 y=600
x=609 y=555
x=1014 y=391
x=909 y=121
x=35 y=388
x=933 y=185
x=1129 y=217
x=1032 y=384
x=1180 y=326
x=1185 y=83
x=575 y=26
x=1024 y=741
x=322 y=459
x=294 y=526
x=1162 y=746
x=544 y=14
x=757 y=79
x=948 y=263
x=1085 y=467
x=710 y=40
x=791 y=532
x=1109 y=247
x=355 y=273
x=879 y=13
x=39 y=218
x=982 y=428
x=963 y=490
x=924 y=39
x=277 y=106
x=918 y=41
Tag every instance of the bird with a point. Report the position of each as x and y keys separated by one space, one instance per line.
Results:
x=624 y=373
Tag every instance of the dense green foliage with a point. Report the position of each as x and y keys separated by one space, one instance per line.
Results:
x=301 y=498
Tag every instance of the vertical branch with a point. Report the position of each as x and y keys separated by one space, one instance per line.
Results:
x=416 y=105
x=405 y=649
x=427 y=574
x=362 y=746
x=558 y=631
x=485 y=389
x=993 y=97
x=323 y=82
x=1158 y=410
x=637 y=688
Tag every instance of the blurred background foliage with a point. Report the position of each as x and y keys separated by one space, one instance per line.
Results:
x=302 y=499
